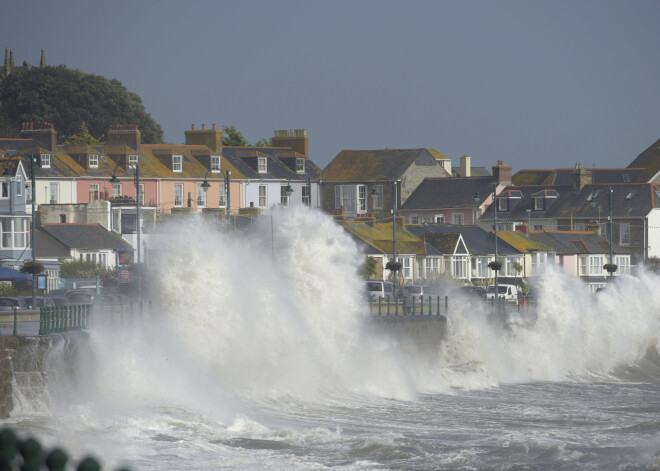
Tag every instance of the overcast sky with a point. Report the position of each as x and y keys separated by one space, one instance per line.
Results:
x=535 y=84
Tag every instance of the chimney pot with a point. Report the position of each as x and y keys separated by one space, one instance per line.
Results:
x=192 y=128
x=203 y=126
x=214 y=126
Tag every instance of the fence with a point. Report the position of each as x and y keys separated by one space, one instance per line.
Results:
x=437 y=306
x=54 y=319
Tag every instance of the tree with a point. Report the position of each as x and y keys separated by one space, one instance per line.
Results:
x=35 y=268
x=368 y=269
x=263 y=142
x=66 y=98
x=518 y=268
x=233 y=137
x=84 y=137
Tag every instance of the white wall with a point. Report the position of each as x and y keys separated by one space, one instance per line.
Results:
x=653 y=234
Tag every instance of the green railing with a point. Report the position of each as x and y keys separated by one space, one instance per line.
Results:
x=29 y=455
x=55 y=319
x=435 y=306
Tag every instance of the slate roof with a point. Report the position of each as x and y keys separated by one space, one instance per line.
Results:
x=444 y=193
x=565 y=176
x=281 y=163
x=474 y=172
x=48 y=247
x=85 y=237
x=649 y=160
x=379 y=237
x=567 y=243
x=371 y=165
x=477 y=241
x=520 y=242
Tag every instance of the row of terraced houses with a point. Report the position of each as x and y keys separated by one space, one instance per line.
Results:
x=87 y=202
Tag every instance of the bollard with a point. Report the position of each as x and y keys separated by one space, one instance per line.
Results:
x=388 y=305
x=412 y=311
x=32 y=454
x=446 y=303
x=380 y=304
x=56 y=460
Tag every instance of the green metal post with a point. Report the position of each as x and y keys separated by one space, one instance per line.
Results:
x=437 y=311
x=380 y=304
x=15 y=322
x=446 y=303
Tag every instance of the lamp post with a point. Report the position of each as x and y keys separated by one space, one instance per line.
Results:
x=494 y=265
x=136 y=181
x=392 y=265
x=611 y=266
x=206 y=185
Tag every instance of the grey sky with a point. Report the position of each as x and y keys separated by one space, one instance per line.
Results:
x=535 y=84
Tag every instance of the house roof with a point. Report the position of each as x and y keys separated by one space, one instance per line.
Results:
x=49 y=247
x=371 y=165
x=444 y=193
x=649 y=160
x=474 y=172
x=379 y=238
x=85 y=237
x=281 y=163
x=477 y=240
x=567 y=243
x=565 y=176
x=521 y=243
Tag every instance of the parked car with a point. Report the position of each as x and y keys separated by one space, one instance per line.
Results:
x=472 y=291
x=40 y=301
x=8 y=303
x=417 y=293
x=506 y=292
x=380 y=290
x=115 y=300
x=60 y=300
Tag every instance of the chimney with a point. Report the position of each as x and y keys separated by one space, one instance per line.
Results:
x=211 y=138
x=522 y=228
x=124 y=134
x=42 y=61
x=502 y=173
x=293 y=138
x=465 y=166
x=581 y=177
x=43 y=134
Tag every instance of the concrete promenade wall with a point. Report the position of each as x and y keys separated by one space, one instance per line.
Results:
x=28 y=364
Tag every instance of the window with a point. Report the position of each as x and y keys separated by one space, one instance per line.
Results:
x=538 y=204
x=439 y=218
x=262 y=165
x=406 y=267
x=201 y=196
x=141 y=190
x=94 y=191
x=177 y=163
x=54 y=193
x=414 y=219
x=6 y=233
x=63 y=218
x=15 y=232
x=132 y=161
x=28 y=192
x=300 y=165
x=215 y=163
x=19 y=185
x=432 y=267
x=284 y=198
x=362 y=199
x=45 y=160
x=482 y=270
x=93 y=160
x=223 y=196
x=457 y=219
x=5 y=189
x=584 y=269
x=623 y=264
x=580 y=227
x=378 y=198
x=178 y=195
x=20 y=229
x=116 y=190
x=345 y=196
x=263 y=195
x=624 y=234
x=459 y=266
x=502 y=204
x=305 y=195
x=538 y=227
x=596 y=263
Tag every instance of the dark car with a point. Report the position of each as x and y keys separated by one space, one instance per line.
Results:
x=8 y=303
x=472 y=291
x=40 y=301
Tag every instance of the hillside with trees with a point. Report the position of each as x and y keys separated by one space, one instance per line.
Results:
x=67 y=98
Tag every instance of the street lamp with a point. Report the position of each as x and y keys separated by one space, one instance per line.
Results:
x=496 y=264
x=136 y=181
x=392 y=265
x=610 y=267
x=206 y=185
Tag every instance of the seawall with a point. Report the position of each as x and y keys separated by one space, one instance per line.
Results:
x=28 y=364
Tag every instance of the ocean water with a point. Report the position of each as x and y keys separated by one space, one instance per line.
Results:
x=258 y=355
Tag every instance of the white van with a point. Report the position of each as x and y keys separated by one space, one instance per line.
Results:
x=505 y=292
x=383 y=290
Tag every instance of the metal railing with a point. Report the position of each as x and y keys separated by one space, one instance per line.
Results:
x=437 y=306
x=56 y=319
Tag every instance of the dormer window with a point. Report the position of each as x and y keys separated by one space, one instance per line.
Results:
x=93 y=160
x=502 y=204
x=300 y=165
x=45 y=160
x=215 y=163
x=538 y=204
x=132 y=161
x=177 y=163
x=262 y=165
